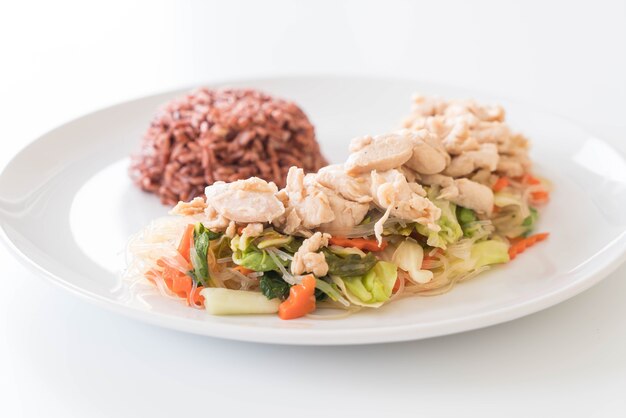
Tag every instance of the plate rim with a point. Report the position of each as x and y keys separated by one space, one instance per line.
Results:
x=317 y=337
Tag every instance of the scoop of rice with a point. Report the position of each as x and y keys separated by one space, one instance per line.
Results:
x=227 y=134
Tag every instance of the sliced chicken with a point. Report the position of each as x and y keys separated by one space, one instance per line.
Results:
x=427 y=106
x=474 y=196
x=429 y=156
x=308 y=260
x=494 y=132
x=513 y=165
x=391 y=192
x=381 y=153
x=252 y=230
x=448 y=191
x=353 y=188
x=484 y=112
x=307 y=206
x=463 y=192
x=348 y=214
x=455 y=133
x=195 y=207
x=214 y=221
x=485 y=158
x=250 y=200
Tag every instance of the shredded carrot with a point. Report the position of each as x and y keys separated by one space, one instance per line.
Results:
x=243 y=270
x=428 y=259
x=185 y=242
x=500 y=184
x=530 y=179
x=179 y=283
x=540 y=196
x=396 y=285
x=360 y=243
x=301 y=299
x=519 y=245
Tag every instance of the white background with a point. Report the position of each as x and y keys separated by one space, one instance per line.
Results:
x=60 y=356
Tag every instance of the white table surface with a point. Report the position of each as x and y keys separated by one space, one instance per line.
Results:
x=62 y=357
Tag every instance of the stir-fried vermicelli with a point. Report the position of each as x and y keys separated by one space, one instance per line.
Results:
x=411 y=212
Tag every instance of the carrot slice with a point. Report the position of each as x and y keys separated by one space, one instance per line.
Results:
x=428 y=259
x=243 y=270
x=301 y=299
x=185 y=242
x=500 y=184
x=181 y=285
x=178 y=282
x=540 y=196
x=520 y=245
x=360 y=243
x=530 y=179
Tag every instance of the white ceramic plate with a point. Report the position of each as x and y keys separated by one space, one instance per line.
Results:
x=67 y=208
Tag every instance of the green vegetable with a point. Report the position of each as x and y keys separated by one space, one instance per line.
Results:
x=372 y=289
x=273 y=286
x=201 y=239
x=529 y=222
x=450 y=231
x=349 y=265
x=468 y=221
x=212 y=235
x=293 y=245
x=489 y=252
x=222 y=248
x=220 y=301
x=465 y=215
x=271 y=238
x=346 y=251
x=274 y=241
x=398 y=229
x=323 y=288
x=320 y=294
x=256 y=259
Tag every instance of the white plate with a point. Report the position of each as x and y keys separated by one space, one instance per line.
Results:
x=67 y=208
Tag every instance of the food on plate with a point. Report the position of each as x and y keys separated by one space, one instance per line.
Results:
x=223 y=135
x=410 y=212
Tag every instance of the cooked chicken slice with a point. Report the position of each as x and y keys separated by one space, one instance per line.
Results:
x=391 y=192
x=454 y=132
x=463 y=192
x=474 y=196
x=348 y=214
x=485 y=177
x=427 y=105
x=382 y=152
x=486 y=157
x=214 y=221
x=252 y=230
x=250 y=200
x=494 y=132
x=354 y=188
x=513 y=165
x=448 y=191
x=307 y=259
x=231 y=230
x=310 y=204
x=195 y=207
x=485 y=112
x=429 y=156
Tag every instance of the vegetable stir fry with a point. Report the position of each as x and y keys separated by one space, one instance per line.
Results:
x=412 y=212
